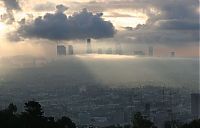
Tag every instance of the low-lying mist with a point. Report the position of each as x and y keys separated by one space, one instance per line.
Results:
x=106 y=70
x=128 y=69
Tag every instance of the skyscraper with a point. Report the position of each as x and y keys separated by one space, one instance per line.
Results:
x=118 y=49
x=100 y=51
x=70 y=50
x=109 y=51
x=88 y=46
x=147 y=109
x=195 y=105
x=172 y=54
x=150 y=51
x=61 y=50
x=139 y=53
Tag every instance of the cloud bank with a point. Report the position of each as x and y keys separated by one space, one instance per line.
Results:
x=170 y=22
x=173 y=23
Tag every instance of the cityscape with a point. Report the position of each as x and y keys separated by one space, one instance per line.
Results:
x=91 y=102
x=63 y=50
x=87 y=105
x=99 y=64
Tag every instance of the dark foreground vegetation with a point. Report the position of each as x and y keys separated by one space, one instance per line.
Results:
x=33 y=117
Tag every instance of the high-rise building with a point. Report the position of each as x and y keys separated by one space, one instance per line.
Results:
x=70 y=50
x=172 y=54
x=147 y=109
x=109 y=51
x=150 y=51
x=61 y=50
x=88 y=46
x=100 y=51
x=195 y=105
x=139 y=53
x=118 y=49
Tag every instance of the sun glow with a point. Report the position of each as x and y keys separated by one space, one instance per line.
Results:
x=106 y=56
x=2 y=27
x=125 y=18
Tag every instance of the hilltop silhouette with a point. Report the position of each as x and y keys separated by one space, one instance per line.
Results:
x=33 y=117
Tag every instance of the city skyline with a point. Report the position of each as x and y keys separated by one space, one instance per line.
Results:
x=134 y=24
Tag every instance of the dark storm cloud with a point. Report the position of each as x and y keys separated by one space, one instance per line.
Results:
x=167 y=37
x=178 y=25
x=169 y=21
x=58 y=26
x=175 y=22
x=170 y=14
x=179 y=14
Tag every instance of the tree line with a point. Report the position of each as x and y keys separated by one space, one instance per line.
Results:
x=33 y=117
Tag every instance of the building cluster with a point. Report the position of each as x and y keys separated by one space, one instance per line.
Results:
x=63 y=50
x=195 y=105
x=103 y=106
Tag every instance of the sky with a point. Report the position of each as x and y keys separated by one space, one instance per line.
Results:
x=29 y=26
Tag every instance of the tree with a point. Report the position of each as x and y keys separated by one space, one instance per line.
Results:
x=33 y=108
x=8 y=118
x=173 y=124
x=33 y=115
x=12 y=108
x=116 y=126
x=140 y=122
x=66 y=122
x=193 y=124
